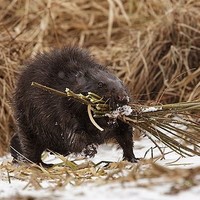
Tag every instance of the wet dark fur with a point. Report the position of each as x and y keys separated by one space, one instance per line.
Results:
x=48 y=121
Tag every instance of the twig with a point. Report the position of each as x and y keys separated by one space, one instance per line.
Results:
x=48 y=89
x=92 y=119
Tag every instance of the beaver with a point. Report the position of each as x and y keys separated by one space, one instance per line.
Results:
x=61 y=124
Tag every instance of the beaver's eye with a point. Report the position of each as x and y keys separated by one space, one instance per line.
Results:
x=100 y=84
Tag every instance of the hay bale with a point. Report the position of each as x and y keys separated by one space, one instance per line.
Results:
x=152 y=45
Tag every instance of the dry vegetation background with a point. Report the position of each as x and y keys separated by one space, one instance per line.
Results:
x=153 y=45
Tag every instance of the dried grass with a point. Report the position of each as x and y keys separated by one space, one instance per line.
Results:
x=152 y=45
x=166 y=65
x=144 y=174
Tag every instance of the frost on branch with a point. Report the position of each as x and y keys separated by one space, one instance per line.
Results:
x=123 y=110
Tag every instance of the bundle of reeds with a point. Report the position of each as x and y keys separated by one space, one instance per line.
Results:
x=170 y=124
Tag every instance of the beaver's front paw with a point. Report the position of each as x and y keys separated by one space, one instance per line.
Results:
x=90 y=150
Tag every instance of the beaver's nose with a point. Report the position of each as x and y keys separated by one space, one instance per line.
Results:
x=122 y=98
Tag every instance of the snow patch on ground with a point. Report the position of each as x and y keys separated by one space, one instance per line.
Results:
x=116 y=191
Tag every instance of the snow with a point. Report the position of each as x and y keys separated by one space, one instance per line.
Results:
x=151 y=109
x=123 y=110
x=115 y=190
x=127 y=110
